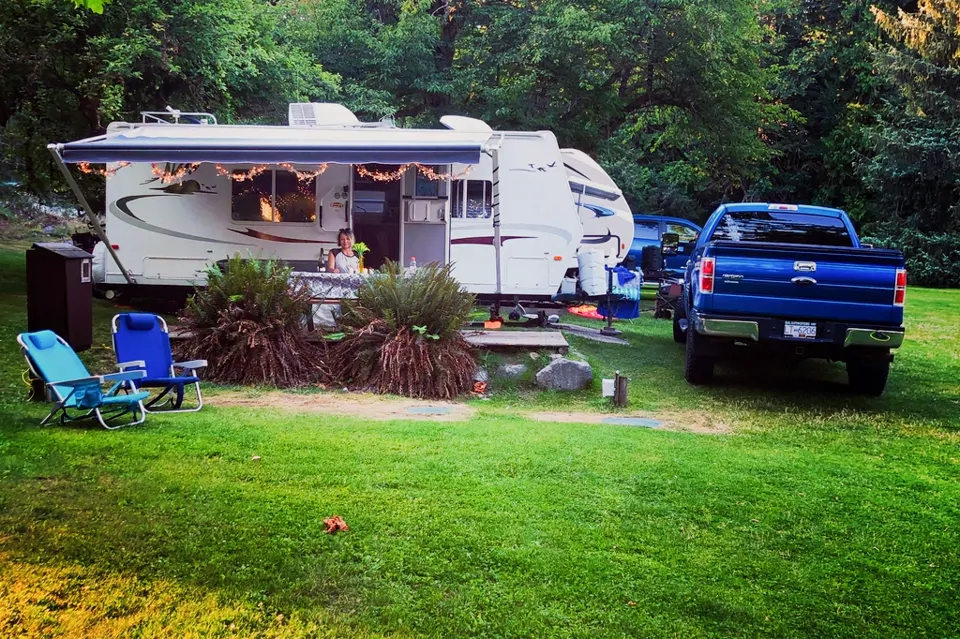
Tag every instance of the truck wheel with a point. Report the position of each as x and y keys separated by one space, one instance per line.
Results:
x=868 y=375
x=698 y=369
x=679 y=324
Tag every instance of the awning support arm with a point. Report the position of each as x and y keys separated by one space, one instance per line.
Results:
x=493 y=149
x=91 y=216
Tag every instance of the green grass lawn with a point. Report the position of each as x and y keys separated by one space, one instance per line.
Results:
x=821 y=515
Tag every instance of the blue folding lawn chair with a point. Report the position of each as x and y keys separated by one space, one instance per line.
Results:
x=142 y=342
x=78 y=394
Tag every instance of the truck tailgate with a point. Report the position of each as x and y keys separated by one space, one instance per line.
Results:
x=841 y=284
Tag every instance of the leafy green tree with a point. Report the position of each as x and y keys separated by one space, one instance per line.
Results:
x=66 y=74
x=915 y=164
x=94 y=5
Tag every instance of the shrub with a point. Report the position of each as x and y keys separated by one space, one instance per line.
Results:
x=933 y=259
x=402 y=334
x=248 y=324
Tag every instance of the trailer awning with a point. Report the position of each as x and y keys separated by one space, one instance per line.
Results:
x=183 y=143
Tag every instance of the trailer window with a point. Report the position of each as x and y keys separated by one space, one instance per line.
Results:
x=274 y=196
x=472 y=199
x=782 y=227
x=425 y=187
x=296 y=199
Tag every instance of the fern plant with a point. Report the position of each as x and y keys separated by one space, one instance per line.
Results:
x=402 y=334
x=248 y=324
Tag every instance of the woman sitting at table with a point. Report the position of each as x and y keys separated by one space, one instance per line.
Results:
x=343 y=259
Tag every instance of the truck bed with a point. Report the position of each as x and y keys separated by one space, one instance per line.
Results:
x=840 y=284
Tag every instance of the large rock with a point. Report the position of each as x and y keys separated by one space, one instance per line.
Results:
x=565 y=374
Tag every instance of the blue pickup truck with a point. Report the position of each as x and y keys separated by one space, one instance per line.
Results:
x=792 y=282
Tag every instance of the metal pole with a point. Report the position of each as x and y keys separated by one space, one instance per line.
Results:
x=496 y=214
x=94 y=222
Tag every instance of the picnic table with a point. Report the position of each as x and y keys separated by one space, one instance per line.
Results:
x=330 y=287
x=327 y=290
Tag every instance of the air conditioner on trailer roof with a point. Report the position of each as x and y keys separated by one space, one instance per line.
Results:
x=320 y=114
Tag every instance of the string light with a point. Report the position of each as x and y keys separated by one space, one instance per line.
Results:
x=303 y=176
x=378 y=176
x=85 y=167
x=425 y=171
x=166 y=176
x=241 y=176
x=430 y=174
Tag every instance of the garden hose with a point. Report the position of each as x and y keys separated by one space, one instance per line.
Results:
x=25 y=376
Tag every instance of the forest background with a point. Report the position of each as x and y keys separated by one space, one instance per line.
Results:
x=687 y=103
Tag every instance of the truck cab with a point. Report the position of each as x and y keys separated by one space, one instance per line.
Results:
x=648 y=231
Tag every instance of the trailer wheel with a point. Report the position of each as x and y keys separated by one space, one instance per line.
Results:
x=680 y=324
x=868 y=375
x=698 y=368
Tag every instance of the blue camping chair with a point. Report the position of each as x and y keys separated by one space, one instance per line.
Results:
x=78 y=394
x=142 y=342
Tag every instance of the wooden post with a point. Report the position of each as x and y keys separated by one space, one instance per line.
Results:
x=620 y=390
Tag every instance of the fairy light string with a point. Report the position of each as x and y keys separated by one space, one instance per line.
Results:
x=85 y=167
x=424 y=170
x=166 y=175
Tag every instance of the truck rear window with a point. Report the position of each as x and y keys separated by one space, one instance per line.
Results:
x=782 y=227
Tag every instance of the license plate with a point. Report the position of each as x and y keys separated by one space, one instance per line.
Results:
x=800 y=330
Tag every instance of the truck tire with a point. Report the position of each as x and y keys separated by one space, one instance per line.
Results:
x=698 y=368
x=868 y=375
x=679 y=332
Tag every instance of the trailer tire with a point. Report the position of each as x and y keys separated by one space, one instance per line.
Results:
x=698 y=368
x=679 y=332
x=868 y=375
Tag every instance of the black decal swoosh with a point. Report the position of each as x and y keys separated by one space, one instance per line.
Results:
x=488 y=239
x=603 y=239
x=597 y=239
x=121 y=208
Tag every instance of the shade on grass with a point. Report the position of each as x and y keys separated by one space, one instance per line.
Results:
x=822 y=515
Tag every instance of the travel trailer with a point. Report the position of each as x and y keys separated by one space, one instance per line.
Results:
x=509 y=210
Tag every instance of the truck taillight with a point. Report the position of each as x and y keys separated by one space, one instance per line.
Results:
x=900 y=291
x=708 y=267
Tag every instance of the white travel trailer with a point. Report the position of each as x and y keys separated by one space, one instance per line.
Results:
x=509 y=210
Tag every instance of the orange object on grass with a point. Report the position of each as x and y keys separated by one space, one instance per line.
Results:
x=493 y=325
x=587 y=310
x=335 y=524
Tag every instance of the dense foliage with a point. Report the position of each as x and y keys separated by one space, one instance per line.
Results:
x=248 y=324
x=403 y=334
x=850 y=103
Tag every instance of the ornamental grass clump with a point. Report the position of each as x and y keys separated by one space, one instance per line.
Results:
x=402 y=334
x=248 y=324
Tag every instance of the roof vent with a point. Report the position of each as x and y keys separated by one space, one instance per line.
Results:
x=320 y=114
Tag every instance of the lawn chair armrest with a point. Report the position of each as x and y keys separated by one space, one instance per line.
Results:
x=124 y=376
x=82 y=381
x=137 y=363
x=191 y=365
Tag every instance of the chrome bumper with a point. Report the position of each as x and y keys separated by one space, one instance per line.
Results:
x=748 y=330
x=740 y=329
x=873 y=339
